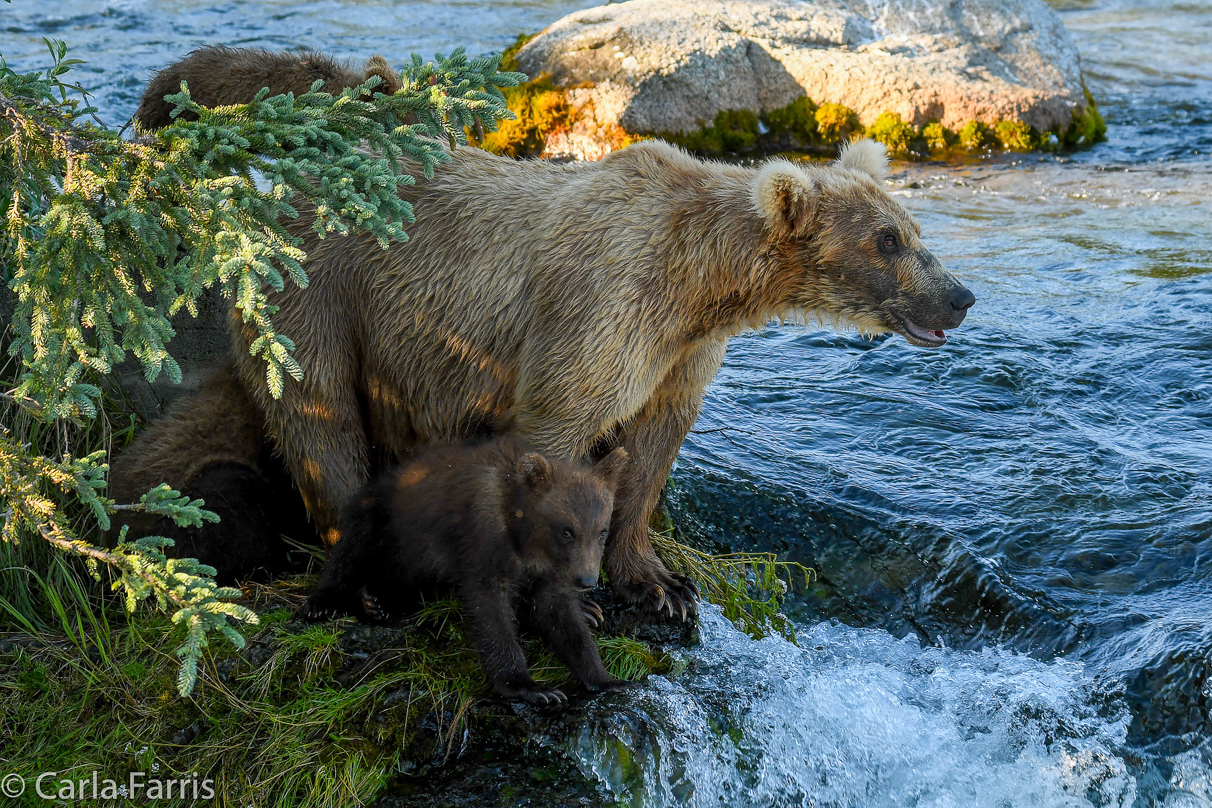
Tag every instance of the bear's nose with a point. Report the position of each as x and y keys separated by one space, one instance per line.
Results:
x=587 y=582
x=961 y=300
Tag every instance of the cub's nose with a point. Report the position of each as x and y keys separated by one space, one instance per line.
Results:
x=961 y=301
x=586 y=582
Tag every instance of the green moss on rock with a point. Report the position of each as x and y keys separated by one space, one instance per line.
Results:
x=836 y=123
x=1015 y=136
x=976 y=136
x=544 y=110
x=794 y=125
x=733 y=130
x=896 y=135
x=938 y=138
x=1087 y=127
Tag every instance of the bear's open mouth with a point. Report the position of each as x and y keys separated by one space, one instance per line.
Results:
x=923 y=337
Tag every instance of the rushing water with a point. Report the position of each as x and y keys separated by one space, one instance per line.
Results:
x=1013 y=533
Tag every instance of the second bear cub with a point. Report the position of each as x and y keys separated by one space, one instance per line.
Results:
x=501 y=524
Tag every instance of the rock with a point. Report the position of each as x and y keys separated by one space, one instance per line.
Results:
x=670 y=66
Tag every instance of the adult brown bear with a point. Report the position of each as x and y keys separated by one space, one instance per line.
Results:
x=580 y=306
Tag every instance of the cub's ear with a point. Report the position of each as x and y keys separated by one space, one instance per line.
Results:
x=378 y=66
x=535 y=470
x=611 y=466
x=785 y=196
x=866 y=156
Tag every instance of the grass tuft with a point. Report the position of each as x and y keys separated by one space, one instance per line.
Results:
x=748 y=587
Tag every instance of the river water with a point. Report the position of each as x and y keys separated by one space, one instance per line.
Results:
x=1013 y=533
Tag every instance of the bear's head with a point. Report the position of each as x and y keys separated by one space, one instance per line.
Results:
x=568 y=508
x=853 y=253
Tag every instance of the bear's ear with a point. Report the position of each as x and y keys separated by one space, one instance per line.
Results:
x=785 y=196
x=867 y=156
x=611 y=466
x=378 y=66
x=535 y=470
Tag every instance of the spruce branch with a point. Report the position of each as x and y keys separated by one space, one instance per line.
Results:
x=103 y=239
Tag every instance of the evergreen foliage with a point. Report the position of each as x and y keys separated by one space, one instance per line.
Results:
x=106 y=238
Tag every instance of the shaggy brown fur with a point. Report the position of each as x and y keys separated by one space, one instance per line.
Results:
x=588 y=311
x=212 y=445
x=219 y=76
x=500 y=523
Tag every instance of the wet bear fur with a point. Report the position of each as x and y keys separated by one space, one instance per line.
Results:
x=580 y=306
x=506 y=528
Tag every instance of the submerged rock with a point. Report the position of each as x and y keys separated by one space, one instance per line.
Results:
x=675 y=66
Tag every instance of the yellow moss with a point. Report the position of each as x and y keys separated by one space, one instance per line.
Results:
x=541 y=108
x=836 y=123
x=1014 y=136
x=976 y=136
x=938 y=137
x=896 y=135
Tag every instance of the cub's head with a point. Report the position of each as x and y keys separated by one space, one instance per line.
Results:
x=852 y=252
x=568 y=512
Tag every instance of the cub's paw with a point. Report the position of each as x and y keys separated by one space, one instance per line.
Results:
x=656 y=588
x=374 y=608
x=323 y=606
x=592 y=612
x=543 y=697
x=610 y=685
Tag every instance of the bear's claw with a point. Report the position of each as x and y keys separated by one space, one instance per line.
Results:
x=658 y=589
x=315 y=610
x=542 y=697
x=676 y=601
x=592 y=612
x=373 y=608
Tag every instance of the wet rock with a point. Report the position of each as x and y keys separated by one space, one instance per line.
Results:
x=670 y=66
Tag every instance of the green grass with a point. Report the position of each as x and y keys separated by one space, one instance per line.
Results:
x=749 y=588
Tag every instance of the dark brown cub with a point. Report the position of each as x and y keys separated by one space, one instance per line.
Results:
x=500 y=523
x=220 y=76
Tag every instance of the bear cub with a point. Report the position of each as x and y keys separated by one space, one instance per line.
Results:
x=508 y=528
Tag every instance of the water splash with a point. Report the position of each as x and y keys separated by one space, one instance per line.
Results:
x=855 y=717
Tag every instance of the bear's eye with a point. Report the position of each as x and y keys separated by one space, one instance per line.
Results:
x=890 y=243
x=568 y=533
x=602 y=536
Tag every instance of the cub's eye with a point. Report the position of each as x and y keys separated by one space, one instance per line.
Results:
x=568 y=533
x=890 y=243
x=602 y=536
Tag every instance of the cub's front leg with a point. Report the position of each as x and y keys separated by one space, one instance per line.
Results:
x=558 y=614
x=489 y=608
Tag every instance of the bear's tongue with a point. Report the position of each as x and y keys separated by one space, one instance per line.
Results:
x=924 y=333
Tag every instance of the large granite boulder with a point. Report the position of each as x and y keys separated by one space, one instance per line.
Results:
x=669 y=66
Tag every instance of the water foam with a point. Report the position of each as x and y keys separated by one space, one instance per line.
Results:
x=855 y=717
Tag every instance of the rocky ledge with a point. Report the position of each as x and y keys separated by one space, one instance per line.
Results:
x=921 y=75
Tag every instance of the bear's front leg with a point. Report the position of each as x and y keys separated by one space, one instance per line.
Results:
x=356 y=566
x=558 y=614
x=652 y=440
x=317 y=424
x=489 y=609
